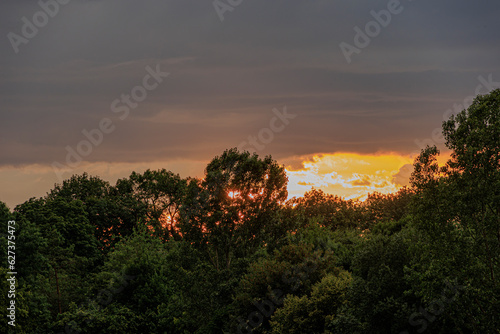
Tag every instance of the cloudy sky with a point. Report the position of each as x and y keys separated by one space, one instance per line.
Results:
x=325 y=87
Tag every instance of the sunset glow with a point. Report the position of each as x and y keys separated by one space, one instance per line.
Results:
x=350 y=175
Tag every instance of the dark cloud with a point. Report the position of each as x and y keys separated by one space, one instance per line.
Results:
x=402 y=177
x=226 y=77
x=364 y=182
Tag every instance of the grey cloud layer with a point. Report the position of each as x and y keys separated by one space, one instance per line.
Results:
x=227 y=76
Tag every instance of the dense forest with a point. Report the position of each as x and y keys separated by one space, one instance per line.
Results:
x=228 y=253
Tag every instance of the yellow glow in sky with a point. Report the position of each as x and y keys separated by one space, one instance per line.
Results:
x=350 y=175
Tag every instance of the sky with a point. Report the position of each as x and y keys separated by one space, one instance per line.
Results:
x=344 y=94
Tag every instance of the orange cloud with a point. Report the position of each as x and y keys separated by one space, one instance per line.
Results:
x=350 y=175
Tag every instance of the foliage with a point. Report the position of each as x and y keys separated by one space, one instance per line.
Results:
x=233 y=210
x=312 y=313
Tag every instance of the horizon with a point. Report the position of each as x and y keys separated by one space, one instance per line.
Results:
x=330 y=173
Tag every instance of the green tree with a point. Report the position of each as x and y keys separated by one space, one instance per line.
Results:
x=234 y=207
x=380 y=297
x=291 y=270
x=148 y=285
x=458 y=207
x=162 y=193
x=58 y=252
x=332 y=211
x=385 y=207
x=113 y=211
x=312 y=313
